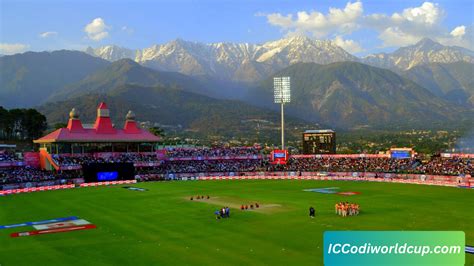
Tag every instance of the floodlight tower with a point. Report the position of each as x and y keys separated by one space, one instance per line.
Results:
x=282 y=93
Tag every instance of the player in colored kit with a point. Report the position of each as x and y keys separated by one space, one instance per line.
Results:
x=312 y=212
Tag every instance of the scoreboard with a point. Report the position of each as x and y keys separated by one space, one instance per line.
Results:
x=319 y=142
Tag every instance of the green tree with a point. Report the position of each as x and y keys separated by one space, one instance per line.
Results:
x=157 y=131
x=4 y=123
x=59 y=125
x=21 y=124
x=34 y=124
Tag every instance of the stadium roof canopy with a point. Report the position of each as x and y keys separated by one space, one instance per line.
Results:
x=102 y=131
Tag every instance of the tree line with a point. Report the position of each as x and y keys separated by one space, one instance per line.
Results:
x=21 y=124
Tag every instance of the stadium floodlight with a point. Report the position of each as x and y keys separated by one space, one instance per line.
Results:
x=282 y=95
x=282 y=88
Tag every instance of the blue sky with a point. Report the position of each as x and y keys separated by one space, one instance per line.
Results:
x=360 y=27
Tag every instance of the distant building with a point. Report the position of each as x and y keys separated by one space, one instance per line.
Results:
x=319 y=141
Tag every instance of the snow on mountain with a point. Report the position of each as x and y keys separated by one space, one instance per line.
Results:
x=424 y=52
x=235 y=61
x=112 y=52
x=300 y=49
x=252 y=62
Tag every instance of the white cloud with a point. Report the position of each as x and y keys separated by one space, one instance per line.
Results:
x=393 y=36
x=12 y=48
x=459 y=31
x=408 y=26
x=425 y=17
x=97 y=29
x=349 y=45
x=401 y=28
x=48 y=34
x=428 y=13
x=317 y=23
x=460 y=36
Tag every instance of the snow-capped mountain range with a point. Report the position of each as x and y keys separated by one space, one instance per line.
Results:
x=252 y=62
x=424 y=52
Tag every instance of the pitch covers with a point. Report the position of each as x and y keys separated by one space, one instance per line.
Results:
x=58 y=225
x=54 y=230
x=61 y=224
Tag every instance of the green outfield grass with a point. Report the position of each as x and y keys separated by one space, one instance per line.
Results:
x=163 y=227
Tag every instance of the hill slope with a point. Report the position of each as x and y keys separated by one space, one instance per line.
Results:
x=350 y=94
x=28 y=79
x=451 y=81
x=126 y=71
x=167 y=106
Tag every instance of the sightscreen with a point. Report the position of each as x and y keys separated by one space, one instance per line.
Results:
x=401 y=154
x=107 y=176
x=100 y=172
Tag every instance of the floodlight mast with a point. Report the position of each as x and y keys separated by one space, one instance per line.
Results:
x=282 y=95
x=282 y=125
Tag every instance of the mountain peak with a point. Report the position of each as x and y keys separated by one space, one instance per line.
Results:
x=250 y=62
x=425 y=40
x=428 y=44
x=180 y=41
x=425 y=51
x=291 y=41
x=111 y=52
x=299 y=38
x=89 y=50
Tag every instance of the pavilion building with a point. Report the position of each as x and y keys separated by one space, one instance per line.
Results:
x=103 y=137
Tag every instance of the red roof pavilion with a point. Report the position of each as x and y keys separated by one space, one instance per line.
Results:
x=103 y=130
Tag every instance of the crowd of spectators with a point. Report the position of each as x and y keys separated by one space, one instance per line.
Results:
x=386 y=165
x=148 y=174
x=447 y=166
x=63 y=160
x=197 y=166
x=434 y=166
x=14 y=175
x=122 y=158
x=6 y=156
x=213 y=152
